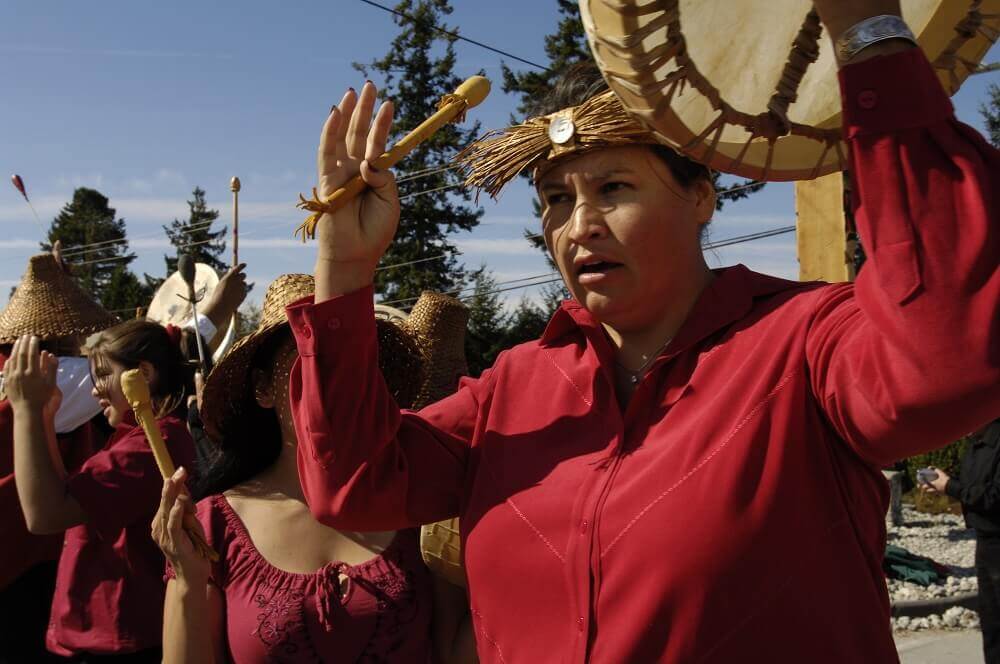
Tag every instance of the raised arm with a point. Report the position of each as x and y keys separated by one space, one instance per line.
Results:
x=194 y=608
x=363 y=464
x=34 y=399
x=909 y=359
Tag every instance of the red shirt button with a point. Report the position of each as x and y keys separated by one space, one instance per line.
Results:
x=867 y=99
x=333 y=324
x=583 y=526
x=579 y=623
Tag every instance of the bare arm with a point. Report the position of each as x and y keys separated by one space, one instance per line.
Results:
x=187 y=611
x=41 y=488
x=194 y=609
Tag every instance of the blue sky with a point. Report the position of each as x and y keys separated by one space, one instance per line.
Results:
x=144 y=101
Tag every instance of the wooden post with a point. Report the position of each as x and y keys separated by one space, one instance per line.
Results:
x=824 y=251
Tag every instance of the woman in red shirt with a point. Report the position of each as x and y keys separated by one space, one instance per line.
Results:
x=685 y=467
x=287 y=588
x=109 y=588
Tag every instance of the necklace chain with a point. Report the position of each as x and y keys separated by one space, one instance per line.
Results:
x=635 y=376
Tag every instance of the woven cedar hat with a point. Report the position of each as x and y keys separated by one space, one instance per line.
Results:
x=229 y=389
x=438 y=323
x=49 y=304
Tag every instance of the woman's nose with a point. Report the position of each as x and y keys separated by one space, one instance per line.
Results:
x=587 y=222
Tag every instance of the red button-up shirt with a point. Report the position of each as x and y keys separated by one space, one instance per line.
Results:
x=110 y=588
x=735 y=511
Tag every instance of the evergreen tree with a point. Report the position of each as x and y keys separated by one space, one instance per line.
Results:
x=247 y=319
x=195 y=236
x=125 y=293
x=416 y=73
x=96 y=249
x=991 y=114
x=565 y=47
x=525 y=323
x=486 y=331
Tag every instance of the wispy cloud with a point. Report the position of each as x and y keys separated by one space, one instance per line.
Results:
x=18 y=244
x=25 y=49
x=506 y=246
x=93 y=180
x=161 y=179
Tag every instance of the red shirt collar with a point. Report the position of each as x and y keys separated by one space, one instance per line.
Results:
x=727 y=299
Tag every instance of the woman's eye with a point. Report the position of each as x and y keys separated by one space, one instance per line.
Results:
x=556 y=199
x=612 y=187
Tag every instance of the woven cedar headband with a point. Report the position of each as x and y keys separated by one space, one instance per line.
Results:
x=500 y=156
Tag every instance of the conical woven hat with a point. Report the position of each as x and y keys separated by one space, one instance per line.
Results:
x=49 y=304
x=438 y=322
x=228 y=390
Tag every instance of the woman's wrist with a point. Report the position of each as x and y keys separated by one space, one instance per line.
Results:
x=839 y=16
x=335 y=277
x=190 y=585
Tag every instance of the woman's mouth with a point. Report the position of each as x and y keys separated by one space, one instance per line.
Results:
x=596 y=272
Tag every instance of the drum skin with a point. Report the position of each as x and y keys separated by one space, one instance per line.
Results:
x=648 y=49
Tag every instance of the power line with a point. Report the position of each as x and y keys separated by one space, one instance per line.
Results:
x=80 y=248
x=750 y=237
x=737 y=239
x=103 y=260
x=468 y=298
x=455 y=35
x=431 y=191
x=467 y=289
x=419 y=260
x=425 y=172
x=194 y=228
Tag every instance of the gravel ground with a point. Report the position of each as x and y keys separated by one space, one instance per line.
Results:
x=945 y=539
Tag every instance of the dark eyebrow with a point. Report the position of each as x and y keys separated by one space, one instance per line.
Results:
x=551 y=186
x=604 y=175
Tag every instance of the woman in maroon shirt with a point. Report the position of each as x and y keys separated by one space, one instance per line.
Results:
x=109 y=587
x=287 y=588
x=685 y=467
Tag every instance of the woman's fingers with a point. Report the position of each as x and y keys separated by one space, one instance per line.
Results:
x=175 y=524
x=33 y=358
x=50 y=365
x=361 y=121
x=379 y=133
x=11 y=366
x=346 y=106
x=328 y=138
x=377 y=137
x=159 y=525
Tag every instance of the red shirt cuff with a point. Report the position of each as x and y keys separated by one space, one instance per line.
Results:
x=346 y=315
x=892 y=93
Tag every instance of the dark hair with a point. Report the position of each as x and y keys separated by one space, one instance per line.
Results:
x=139 y=340
x=581 y=81
x=59 y=346
x=251 y=442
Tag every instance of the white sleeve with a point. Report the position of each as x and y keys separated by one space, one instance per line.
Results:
x=206 y=328
x=78 y=403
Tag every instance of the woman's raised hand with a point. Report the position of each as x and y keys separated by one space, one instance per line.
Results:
x=190 y=566
x=352 y=241
x=30 y=377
